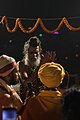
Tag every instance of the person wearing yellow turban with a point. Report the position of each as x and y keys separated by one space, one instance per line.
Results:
x=47 y=104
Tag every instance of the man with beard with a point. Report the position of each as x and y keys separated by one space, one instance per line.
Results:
x=9 y=75
x=32 y=60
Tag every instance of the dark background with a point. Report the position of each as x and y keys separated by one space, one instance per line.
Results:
x=66 y=43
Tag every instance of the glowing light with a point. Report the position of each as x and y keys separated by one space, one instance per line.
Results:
x=40 y=34
x=77 y=45
x=56 y=33
x=10 y=41
x=66 y=58
x=77 y=55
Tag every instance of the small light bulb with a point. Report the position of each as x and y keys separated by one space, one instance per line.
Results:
x=56 y=33
x=40 y=34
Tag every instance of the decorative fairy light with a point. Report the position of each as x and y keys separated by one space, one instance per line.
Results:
x=56 y=33
x=40 y=35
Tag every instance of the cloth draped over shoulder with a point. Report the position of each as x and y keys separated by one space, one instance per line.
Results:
x=9 y=97
x=45 y=106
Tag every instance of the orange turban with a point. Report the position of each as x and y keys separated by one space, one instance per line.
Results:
x=51 y=74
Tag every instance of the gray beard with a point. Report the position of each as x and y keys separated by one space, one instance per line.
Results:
x=31 y=63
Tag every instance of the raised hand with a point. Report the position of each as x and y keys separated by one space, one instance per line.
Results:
x=48 y=57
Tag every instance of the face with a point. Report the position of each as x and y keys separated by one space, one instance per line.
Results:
x=33 y=57
x=13 y=77
x=33 y=53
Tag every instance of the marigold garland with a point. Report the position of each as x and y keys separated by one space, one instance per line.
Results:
x=69 y=26
x=39 y=21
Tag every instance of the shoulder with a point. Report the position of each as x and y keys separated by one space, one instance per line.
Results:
x=31 y=100
x=3 y=90
x=22 y=64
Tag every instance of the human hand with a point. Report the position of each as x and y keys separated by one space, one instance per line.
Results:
x=48 y=57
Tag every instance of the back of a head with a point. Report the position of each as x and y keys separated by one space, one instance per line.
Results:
x=7 y=64
x=71 y=104
x=51 y=74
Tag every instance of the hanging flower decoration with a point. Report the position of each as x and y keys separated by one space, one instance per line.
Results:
x=4 y=19
x=39 y=21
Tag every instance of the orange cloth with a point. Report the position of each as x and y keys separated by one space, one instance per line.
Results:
x=45 y=106
x=9 y=97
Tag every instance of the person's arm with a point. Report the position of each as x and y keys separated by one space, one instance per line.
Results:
x=48 y=57
x=9 y=100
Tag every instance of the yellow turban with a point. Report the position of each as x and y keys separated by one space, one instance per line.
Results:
x=51 y=74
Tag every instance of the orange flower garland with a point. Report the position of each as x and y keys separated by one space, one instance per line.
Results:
x=39 y=21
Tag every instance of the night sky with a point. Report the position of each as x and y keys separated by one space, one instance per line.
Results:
x=66 y=43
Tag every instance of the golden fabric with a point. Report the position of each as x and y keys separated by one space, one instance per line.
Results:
x=45 y=106
x=51 y=74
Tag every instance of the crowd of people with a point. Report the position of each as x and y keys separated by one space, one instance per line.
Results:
x=39 y=77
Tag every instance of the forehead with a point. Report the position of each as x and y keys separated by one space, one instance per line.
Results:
x=34 y=49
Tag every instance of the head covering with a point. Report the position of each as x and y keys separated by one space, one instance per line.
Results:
x=51 y=74
x=7 y=64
